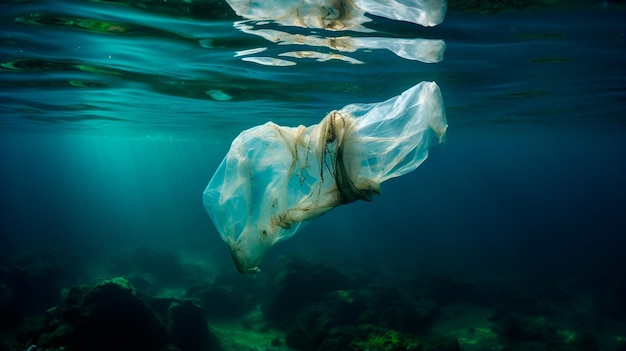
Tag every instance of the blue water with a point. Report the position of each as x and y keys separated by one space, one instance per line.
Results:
x=108 y=135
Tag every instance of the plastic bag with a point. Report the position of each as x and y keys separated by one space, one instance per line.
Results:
x=275 y=178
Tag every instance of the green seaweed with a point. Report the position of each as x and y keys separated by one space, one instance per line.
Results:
x=373 y=338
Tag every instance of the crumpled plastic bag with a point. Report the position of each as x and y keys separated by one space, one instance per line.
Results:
x=275 y=178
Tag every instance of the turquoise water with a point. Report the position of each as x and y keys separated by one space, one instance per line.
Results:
x=114 y=116
x=141 y=66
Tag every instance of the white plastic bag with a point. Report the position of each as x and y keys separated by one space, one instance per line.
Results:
x=275 y=178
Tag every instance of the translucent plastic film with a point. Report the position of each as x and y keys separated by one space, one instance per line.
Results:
x=340 y=14
x=275 y=178
x=279 y=21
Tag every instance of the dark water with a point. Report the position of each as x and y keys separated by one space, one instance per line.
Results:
x=115 y=115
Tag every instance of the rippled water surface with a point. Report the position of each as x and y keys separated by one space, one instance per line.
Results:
x=173 y=65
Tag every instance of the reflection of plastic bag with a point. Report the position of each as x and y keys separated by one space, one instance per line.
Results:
x=274 y=178
x=337 y=15
x=424 y=50
x=340 y=14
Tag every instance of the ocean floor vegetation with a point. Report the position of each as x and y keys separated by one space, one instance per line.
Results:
x=153 y=300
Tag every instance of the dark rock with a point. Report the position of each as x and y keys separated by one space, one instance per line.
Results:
x=75 y=295
x=390 y=308
x=441 y=344
x=71 y=314
x=368 y=337
x=276 y=342
x=161 y=306
x=314 y=322
x=340 y=339
x=12 y=345
x=589 y=342
x=114 y=317
x=30 y=328
x=34 y=280
x=10 y=316
x=145 y=283
x=378 y=297
x=53 y=317
x=309 y=331
x=297 y=283
x=517 y=328
x=109 y=316
x=298 y=339
x=62 y=335
x=327 y=324
x=187 y=328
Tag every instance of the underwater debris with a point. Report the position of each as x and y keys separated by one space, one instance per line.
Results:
x=275 y=178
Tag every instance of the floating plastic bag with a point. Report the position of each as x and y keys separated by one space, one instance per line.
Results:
x=275 y=178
